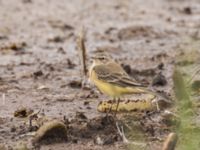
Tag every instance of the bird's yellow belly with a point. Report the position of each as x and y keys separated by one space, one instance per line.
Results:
x=110 y=89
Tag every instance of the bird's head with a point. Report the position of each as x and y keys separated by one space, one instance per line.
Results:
x=101 y=58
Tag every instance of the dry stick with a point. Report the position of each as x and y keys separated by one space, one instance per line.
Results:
x=196 y=71
x=3 y=99
x=33 y=116
x=124 y=139
x=170 y=142
x=82 y=52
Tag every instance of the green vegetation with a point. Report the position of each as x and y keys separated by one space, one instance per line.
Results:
x=188 y=132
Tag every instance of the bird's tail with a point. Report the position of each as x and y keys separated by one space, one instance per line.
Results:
x=165 y=98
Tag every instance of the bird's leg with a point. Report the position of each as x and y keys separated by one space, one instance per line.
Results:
x=113 y=100
x=110 y=109
x=118 y=100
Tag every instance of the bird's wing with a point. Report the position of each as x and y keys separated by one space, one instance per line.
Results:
x=116 y=68
x=110 y=75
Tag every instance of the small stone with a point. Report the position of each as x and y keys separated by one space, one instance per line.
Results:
x=70 y=64
x=98 y=140
x=38 y=73
x=187 y=10
x=57 y=39
x=86 y=103
x=23 y=112
x=61 y=50
x=161 y=66
x=196 y=86
x=42 y=87
x=75 y=140
x=75 y=84
x=127 y=68
x=159 y=80
x=104 y=140
x=13 y=129
x=80 y=115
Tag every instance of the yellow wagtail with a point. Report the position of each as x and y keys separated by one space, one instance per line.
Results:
x=111 y=79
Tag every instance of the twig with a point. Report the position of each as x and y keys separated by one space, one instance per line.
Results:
x=121 y=133
x=3 y=99
x=124 y=139
x=82 y=51
x=170 y=142
x=157 y=105
x=195 y=72
x=33 y=116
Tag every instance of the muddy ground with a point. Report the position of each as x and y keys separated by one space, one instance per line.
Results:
x=39 y=57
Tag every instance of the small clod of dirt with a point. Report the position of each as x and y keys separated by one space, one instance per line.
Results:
x=187 y=10
x=160 y=66
x=62 y=98
x=70 y=64
x=108 y=48
x=23 y=112
x=127 y=68
x=89 y=94
x=105 y=139
x=109 y=30
x=14 y=46
x=159 y=80
x=61 y=50
x=51 y=132
x=75 y=84
x=136 y=31
x=80 y=115
x=42 y=87
x=160 y=56
x=13 y=129
x=27 y=1
x=57 y=39
x=196 y=86
x=86 y=103
x=38 y=73
x=60 y=25
x=3 y=37
x=18 y=46
x=163 y=104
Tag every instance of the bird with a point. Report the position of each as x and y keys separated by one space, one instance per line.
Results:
x=112 y=80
